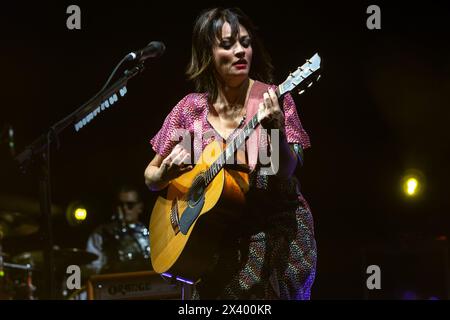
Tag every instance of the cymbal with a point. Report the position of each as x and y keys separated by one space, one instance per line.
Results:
x=63 y=257
x=14 y=224
x=22 y=230
x=13 y=202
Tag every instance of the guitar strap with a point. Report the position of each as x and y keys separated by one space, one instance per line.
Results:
x=254 y=141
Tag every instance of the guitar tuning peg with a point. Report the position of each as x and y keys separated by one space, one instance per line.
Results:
x=309 y=61
x=310 y=84
x=301 y=91
x=291 y=74
x=300 y=68
x=318 y=77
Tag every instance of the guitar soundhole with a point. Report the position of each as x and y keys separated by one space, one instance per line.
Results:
x=197 y=189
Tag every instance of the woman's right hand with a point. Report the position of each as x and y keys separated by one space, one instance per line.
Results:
x=175 y=164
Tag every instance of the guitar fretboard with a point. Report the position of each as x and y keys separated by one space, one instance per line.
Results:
x=233 y=146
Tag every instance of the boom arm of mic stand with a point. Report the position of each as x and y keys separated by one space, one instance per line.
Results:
x=39 y=145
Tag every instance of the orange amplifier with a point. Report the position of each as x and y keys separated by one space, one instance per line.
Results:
x=145 y=285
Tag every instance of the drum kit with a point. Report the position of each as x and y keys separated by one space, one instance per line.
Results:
x=21 y=274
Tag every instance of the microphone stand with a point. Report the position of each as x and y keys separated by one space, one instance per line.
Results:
x=39 y=151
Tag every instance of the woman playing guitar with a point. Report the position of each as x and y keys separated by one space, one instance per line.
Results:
x=270 y=252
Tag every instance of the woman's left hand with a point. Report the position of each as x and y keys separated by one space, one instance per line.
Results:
x=270 y=113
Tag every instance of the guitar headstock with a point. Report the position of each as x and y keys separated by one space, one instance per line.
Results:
x=303 y=76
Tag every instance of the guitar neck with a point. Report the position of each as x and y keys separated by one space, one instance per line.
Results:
x=295 y=79
x=235 y=144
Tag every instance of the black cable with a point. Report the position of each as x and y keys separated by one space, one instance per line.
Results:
x=112 y=74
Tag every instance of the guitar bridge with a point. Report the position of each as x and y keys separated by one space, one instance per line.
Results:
x=174 y=220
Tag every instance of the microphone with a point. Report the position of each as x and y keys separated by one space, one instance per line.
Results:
x=154 y=49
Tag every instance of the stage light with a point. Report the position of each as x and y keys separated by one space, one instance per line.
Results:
x=413 y=183
x=80 y=214
x=411 y=186
x=76 y=213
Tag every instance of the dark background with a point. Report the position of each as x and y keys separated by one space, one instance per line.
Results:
x=381 y=108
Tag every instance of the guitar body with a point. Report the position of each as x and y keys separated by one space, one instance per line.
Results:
x=187 y=249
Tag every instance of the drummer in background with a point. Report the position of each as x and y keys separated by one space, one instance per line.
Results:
x=122 y=244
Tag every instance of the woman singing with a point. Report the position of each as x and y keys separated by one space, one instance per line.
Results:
x=272 y=254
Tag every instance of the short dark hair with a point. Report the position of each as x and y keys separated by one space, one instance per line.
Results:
x=208 y=28
x=128 y=187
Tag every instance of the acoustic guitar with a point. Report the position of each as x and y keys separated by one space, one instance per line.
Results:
x=187 y=225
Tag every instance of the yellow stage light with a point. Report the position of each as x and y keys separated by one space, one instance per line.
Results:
x=411 y=186
x=76 y=213
x=412 y=183
x=80 y=214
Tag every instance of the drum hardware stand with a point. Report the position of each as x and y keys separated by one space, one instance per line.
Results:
x=29 y=283
x=2 y=273
x=184 y=284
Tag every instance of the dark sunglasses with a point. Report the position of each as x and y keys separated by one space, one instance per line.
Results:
x=128 y=204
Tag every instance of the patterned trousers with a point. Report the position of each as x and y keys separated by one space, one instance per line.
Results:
x=277 y=263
